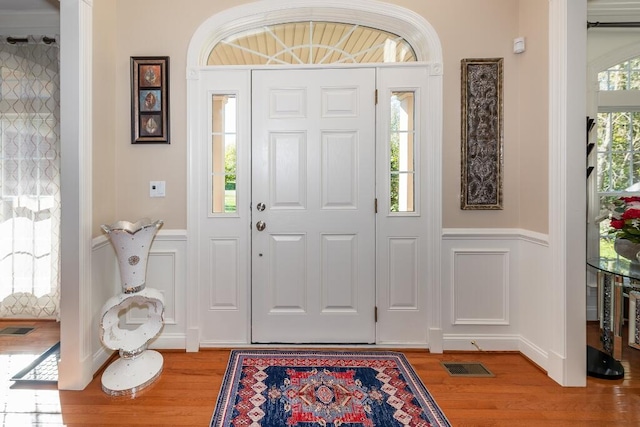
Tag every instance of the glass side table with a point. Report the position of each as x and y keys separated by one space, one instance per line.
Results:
x=612 y=287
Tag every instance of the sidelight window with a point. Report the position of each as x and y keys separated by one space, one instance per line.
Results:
x=401 y=152
x=223 y=165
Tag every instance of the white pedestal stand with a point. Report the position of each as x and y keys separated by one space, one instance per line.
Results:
x=137 y=367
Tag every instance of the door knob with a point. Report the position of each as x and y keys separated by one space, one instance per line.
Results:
x=261 y=225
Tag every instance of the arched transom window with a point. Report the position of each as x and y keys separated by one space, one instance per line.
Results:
x=311 y=43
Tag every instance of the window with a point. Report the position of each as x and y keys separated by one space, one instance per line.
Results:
x=401 y=152
x=223 y=154
x=29 y=179
x=618 y=141
x=624 y=76
x=311 y=43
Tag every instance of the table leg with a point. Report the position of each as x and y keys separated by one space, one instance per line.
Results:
x=601 y=364
x=618 y=317
x=605 y=294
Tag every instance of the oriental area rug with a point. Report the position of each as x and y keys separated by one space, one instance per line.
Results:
x=266 y=388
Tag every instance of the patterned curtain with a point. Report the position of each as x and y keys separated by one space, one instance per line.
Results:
x=29 y=178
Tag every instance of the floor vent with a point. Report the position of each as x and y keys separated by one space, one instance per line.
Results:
x=466 y=369
x=43 y=370
x=12 y=330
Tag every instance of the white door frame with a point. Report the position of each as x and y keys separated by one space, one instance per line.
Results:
x=398 y=20
x=405 y=241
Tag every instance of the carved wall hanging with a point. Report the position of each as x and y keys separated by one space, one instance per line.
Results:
x=482 y=134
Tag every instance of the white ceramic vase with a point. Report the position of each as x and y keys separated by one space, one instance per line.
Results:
x=137 y=366
x=132 y=242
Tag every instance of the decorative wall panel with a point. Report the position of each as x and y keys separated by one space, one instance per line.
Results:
x=482 y=134
x=480 y=288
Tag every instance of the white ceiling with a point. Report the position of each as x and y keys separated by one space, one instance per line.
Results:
x=43 y=6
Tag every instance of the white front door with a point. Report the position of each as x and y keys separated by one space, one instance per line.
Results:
x=313 y=206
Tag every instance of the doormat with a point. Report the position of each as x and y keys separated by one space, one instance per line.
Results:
x=270 y=388
x=15 y=330
x=466 y=369
x=43 y=370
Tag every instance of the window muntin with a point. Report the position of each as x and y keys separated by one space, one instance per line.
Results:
x=224 y=163
x=402 y=152
x=311 y=43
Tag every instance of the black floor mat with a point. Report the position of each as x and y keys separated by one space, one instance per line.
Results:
x=43 y=370
x=13 y=330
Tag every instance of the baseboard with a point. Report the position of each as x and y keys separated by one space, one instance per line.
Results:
x=534 y=353
x=483 y=342
x=100 y=358
x=169 y=342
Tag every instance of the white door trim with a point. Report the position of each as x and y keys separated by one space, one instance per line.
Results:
x=414 y=28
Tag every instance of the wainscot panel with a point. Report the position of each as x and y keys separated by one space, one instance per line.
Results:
x=492 y=279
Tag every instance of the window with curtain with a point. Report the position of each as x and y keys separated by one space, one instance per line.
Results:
x=29 y=178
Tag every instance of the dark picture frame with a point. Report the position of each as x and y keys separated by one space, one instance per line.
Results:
x=150 y=100
x=482 y=134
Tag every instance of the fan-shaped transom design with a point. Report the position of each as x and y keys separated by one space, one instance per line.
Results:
x=311 y=42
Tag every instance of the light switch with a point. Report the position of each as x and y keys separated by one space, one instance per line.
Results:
x=156 y=188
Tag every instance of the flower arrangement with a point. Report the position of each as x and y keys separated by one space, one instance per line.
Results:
x=625 y=218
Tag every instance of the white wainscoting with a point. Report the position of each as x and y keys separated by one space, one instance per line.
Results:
x=166 y=271
x=494 y=288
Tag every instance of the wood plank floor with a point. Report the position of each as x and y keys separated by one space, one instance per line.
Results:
x=519 y=395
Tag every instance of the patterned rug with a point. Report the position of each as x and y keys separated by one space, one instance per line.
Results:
x=266 y=388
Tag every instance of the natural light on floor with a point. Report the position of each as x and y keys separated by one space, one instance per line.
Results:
x=25 y=407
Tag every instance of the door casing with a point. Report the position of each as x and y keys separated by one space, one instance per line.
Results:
x=222 y=291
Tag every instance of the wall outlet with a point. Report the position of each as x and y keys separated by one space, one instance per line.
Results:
x=156 y=189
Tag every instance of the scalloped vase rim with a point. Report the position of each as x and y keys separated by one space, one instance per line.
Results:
x=132 y=227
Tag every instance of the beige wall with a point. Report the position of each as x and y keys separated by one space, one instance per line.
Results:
x=104 y=116
x=479 y=28
x=533 y=128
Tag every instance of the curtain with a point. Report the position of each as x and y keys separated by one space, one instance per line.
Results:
x=29 y=178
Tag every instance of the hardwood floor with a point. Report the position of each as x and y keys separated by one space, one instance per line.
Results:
x=520 y=394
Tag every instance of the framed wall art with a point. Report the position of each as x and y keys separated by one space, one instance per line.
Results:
x=150 y=100
x=482 y=134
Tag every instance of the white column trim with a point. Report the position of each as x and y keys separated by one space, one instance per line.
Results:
x=567 y=191
x=76 y=38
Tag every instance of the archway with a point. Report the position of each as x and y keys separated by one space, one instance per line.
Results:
x=394 y=19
